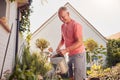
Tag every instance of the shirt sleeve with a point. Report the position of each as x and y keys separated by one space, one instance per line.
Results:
x=78 y=31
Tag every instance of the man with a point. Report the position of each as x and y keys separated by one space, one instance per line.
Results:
x=72 y=38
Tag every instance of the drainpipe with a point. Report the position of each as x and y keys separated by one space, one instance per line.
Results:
x=17 y=35
x=17 y=31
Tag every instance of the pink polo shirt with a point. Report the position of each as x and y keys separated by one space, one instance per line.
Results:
x=70 y=32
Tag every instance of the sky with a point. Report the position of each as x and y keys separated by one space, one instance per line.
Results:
x=104 y=15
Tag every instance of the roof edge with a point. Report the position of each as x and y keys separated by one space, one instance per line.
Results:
x=86 y=21
x=78 y=14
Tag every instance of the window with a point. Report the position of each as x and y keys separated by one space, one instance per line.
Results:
x=2 y=8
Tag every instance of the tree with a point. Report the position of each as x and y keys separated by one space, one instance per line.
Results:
x=91 y=44
x=93 y=49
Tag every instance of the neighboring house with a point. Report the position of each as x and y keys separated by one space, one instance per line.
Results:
x=9 y=44
x=51 y=29
x=114 y=36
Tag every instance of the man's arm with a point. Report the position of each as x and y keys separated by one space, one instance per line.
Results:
x=60 y=44
x=77 y=44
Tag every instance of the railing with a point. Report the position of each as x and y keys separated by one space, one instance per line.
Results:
x=6 y=51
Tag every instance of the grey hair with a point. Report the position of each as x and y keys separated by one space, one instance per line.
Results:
x=63 y=8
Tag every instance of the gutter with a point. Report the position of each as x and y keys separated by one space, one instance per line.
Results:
x=17 y=30
x=17 y=34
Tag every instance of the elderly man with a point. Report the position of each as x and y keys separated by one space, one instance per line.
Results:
x=71 y=36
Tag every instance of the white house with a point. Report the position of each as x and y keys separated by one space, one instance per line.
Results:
x=9 y=41
x=51 y=29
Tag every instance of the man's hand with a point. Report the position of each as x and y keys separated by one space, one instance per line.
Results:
x=58 y=50
x=63 y=51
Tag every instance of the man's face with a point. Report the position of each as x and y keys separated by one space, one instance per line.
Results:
x=64 y=16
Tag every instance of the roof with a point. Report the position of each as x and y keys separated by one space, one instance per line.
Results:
x=114 y=36
x=83 y=19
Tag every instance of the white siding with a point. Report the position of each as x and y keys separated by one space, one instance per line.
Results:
x=11 y=49
x=3 y=42
x=50 y=32
x=9 y=62
x=21 y=45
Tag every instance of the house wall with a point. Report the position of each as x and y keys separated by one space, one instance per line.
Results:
x=11 y=16
x=3 y=42
x=21 y=45
x=88 y=30
x=51 y=31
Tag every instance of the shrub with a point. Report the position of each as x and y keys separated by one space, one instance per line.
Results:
x=30 y=66
x=98 y=71
x=113 y=52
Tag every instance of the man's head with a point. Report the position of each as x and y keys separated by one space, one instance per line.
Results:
x=64 y=14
